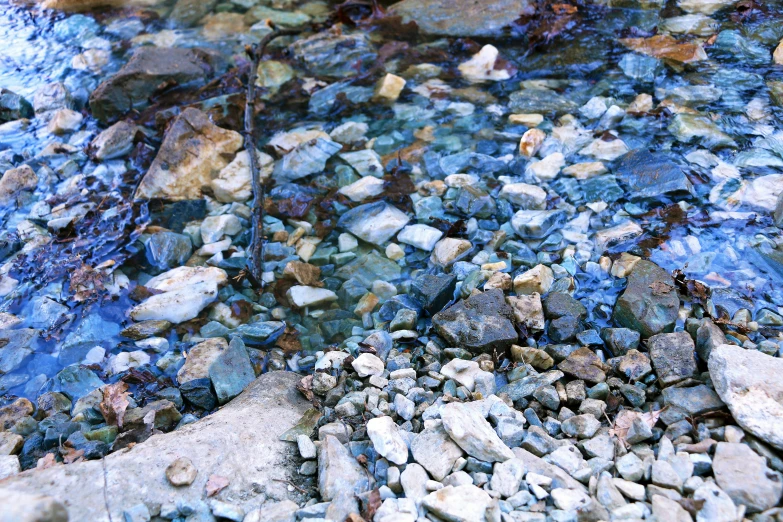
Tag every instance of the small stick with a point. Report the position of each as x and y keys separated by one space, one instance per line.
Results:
x=300 y=490
x=256 y=265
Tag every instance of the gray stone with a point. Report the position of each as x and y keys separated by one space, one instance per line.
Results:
x=717 y=507
x=434 y=291
x=232 y=371
x=15 y=347
x=338 y=470
x=306 y=159
x=745 y=477
x=708 y=337
x=648 y=175
x=481 y=323
x=255 y=419
x=507 y=477
x=434 y=449
x=747 y=381
x=469 y=429
x=166 y=250
x=386 y=439
x=672 y=356
x=537 y=224
x=459 y=504
x=375 y=223
x=148 y=69
x=526 y=386
x=649 y=303
x=581 y=426
x=697 y=400
x=461 y=17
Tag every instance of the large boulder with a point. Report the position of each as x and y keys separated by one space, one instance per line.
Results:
x=149 y=70
x=749 y=383
x=239 y=442
x=462 y=17
x=193 y=152
x=650 y=303
x=745 y=477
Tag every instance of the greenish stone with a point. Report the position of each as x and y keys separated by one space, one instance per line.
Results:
x=105 y=434
x=305 y=426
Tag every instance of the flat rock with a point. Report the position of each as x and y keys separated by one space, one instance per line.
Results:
x=672 y=356
x=148 y=69
x=745 y=477
x=471 y=431
x=649 y=175
x=481 y=323
x=461 y=17
x=193 y=151
x=239 y=442
x=748 y=382
x=374 y=222
x=649 y=303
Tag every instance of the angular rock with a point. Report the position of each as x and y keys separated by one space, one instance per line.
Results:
x=537 y=224
x=481 y=323
x=434 y=291
x=650 y=303
x=193 y=151
x=435 y=451
x=649 y=175
x=386 y=439
x=231 y=372
x=306 y=159
x=14 y=181
x=338 y=470
x=746 y=380
x=375 y=223
x=470 y=430
x=200 y=359
x=465 y=503
x=149 y=69
x=672 y=356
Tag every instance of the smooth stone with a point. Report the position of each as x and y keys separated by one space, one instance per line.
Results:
x=465 y=503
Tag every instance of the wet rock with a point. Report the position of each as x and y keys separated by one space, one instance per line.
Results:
x=145 y=329
x=16 y=346
x=468 y=428
x=304 y=296
x=690 y=127
x=181 y=472
x=268 y=407
x=666 y=47
x=335 y=54
x=465 y=503
x=193 y=151
x=146 y=72
x=306 y=159
x=565 y=314
x=166 y=250
x=15 y=181
x=649 y=303
x=13 y=106
x=114 y=142
x=537 y=224
x=745 y=477
x=481 y=323
x=672 y=356
x=374 y=222
x=186 y=291
x=76 y=381
x=435 y=451
x=481 y=67
x=745 y=380
x=420 y=236
x=650 y=174
x=231 y=372
x=338 y=470
x=540 y=100
x=461 y=18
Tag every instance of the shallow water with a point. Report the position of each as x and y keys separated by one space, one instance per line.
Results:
x=728 y=242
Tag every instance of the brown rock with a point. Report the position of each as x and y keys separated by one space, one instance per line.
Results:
x=181 y=472
x=10 y=415
x=667 y=48
x=461 y=17
x=584 y=364
x=193 y=151
x=15 y=181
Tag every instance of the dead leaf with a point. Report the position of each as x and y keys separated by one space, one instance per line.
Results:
x=289 y=341
x=625 y=418
x=692 y=505
x=304 y=273
x=114 y=403
x=373 y=503
x=86 y=283
x=661 y=288
x=47 y=461
x=216 y=484
x=666 y=47
x=305 y=386
x=71 y=455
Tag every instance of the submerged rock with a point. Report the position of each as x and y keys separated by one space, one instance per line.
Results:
x=374 y=222
x=650 y=174
x=148 y=70
x=461 y=17
x=193 y=150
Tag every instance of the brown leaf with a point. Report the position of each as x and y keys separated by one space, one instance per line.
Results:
x=661 y=288
x=289 y=341
x=625 y=418
x=305 y=386
x=666 y=47
x=86 y=282
x=216 y=484
x=47 y=461
x=304 y=273
x=373 y=503
x=114 y=403
x=71 y=455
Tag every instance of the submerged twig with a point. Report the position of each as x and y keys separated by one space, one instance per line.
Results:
x=256 y=264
